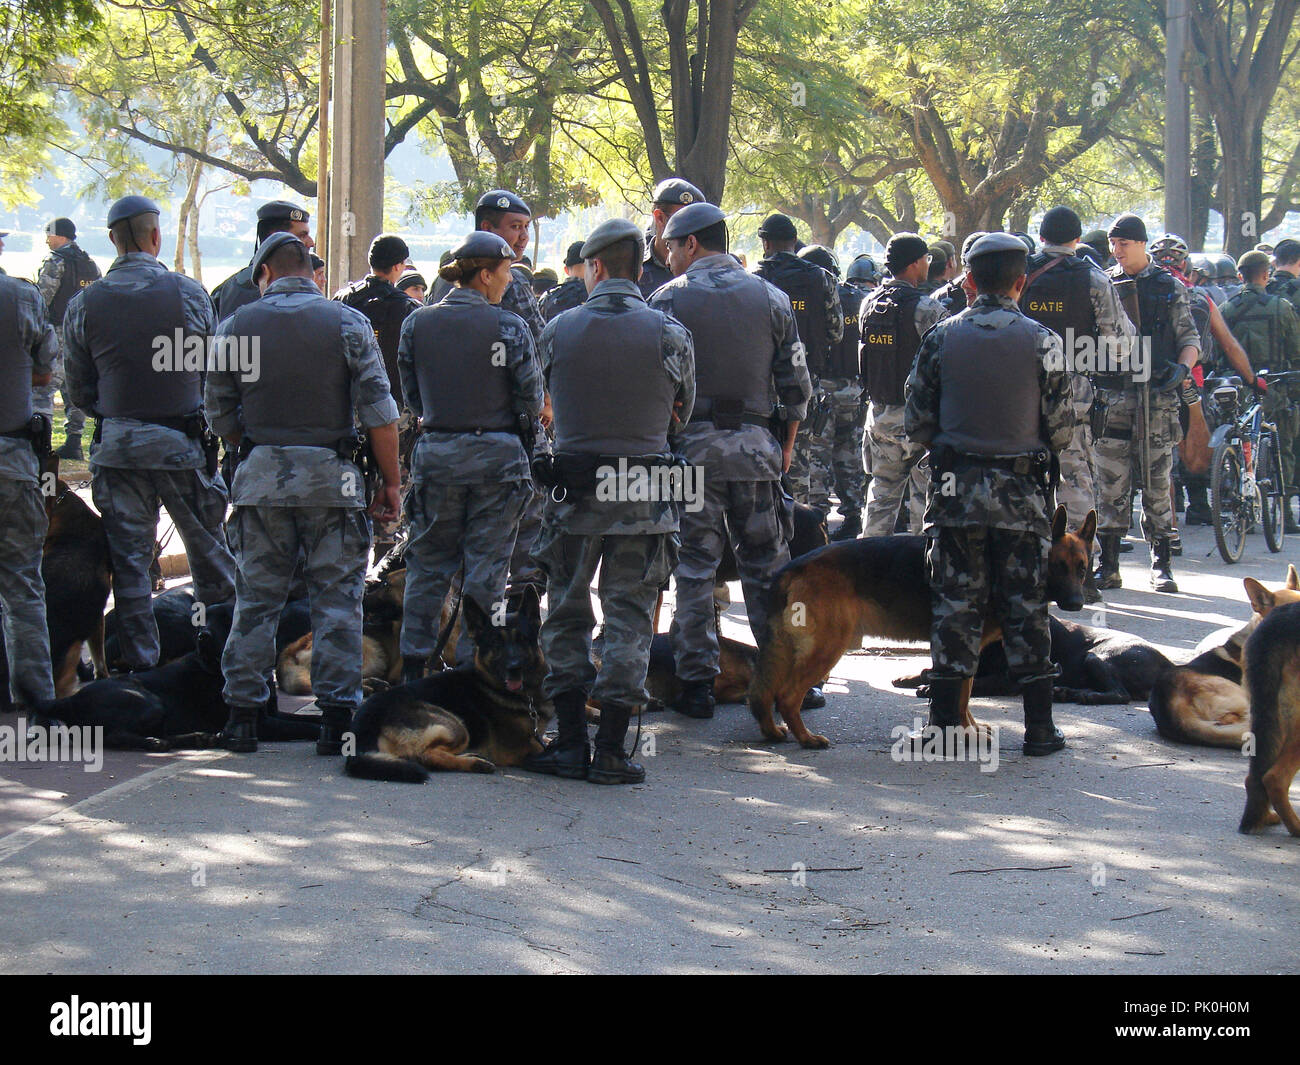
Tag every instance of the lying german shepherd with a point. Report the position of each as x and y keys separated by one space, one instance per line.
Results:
x=471 y=719
x=876 y=586
x=1272 y=661
x=1204 y=702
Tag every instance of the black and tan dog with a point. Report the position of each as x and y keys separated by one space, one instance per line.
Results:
x=1272 y=661
x=470 y=719
x=826 y=603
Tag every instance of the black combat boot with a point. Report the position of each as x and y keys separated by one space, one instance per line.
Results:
x=414 y=668
x=335 y=721
x=850 y=528
x=1162 y=574
x=1175 y=543
x=70 y=449
x=568 y=755
x=945 y=713
x=814 y=698
x=1108 y=571
x=1091 y=594
x=1041 y=734
x=240 y=733
x=610 y=763
x=1198 y=506
x=696 y=699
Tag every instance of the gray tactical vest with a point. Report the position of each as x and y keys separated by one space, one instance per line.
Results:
x=608 y=385
x=989 y=396
x=15 y=363
x=123 y=331
x=461 y=390
x=734 y=346
x=303 y=394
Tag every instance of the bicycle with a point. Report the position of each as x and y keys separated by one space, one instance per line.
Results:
x=1245 y=471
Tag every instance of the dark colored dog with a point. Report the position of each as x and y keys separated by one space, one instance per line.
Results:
x=471 y=719
x=174 y=614
x=824 y=604
x=809 y=534
x=1273 y=680
x=1098 y=666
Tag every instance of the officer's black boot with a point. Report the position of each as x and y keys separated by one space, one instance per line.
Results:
x=1198 y=506
x=1041 y=734
x=414 y=668
x=945 y=713
x=610 y=763
x=1162 y=573
x=334 y=723
x=850 y=529
x=814 y=698
x=1108 y=570
x=696 y=699
x=240 y=733
x=568 y=755
x=70 y=449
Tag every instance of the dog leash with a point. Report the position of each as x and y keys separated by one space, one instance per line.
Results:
x=445 y=635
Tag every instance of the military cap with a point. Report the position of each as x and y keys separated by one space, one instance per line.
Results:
x=62 y=227
x=482 y=245
x=546 y=274
x=1252 y=261
x=778 y=227
x=1060 y=225
x=1287 y=250
x=676 y=192
x=903 y=250
x=939 y=255
x=500 y=200
x=411 y=277
x=1096 y=238
x=692 y=219
x=387 y=250
x=573 y=256
x=1128 y=227
x=863 y=268
x=969 y=243
x=270 y=246
x=822 y=256
x=129 y=207
x=996 y=242
x=282 y=211
x=612 y=232
x=949 y=249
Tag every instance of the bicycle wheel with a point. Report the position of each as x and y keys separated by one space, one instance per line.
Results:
x=1230 y=509
x=1268 y=478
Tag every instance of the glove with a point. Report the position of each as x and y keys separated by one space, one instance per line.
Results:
x=1189 y=393
x=1259 y=385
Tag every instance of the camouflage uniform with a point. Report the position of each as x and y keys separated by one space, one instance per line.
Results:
x=571 y=293
x=634 y=544
x=299 y=500
x=888 y=453
x=988 y=526
x=238 y=290
x=27 y=348
x=49 y=279
x=468 y=490
x=742 y=469
x=137 y=465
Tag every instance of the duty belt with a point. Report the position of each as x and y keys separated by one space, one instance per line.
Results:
x=726 y=413
x=944 y=458
x=477 y=430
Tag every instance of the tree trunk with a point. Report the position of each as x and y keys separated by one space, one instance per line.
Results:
x=1205 y=165
x=196 y=260
x=193 y=171
x=1241 y=186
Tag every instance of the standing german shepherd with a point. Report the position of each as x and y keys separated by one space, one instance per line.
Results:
x=471 y=719
x=1273 y=679
x=824 y=604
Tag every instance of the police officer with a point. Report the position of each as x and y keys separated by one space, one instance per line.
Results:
x=1168 y=337
x=240 y=288
x=1227 y=276
x=544 y=281
x=27 y=352
x=1268 y=328
x=747 y=358
x=892 y=321
x=988 y=397
x=815 y=297
x=297 y=491
x=952 y=296
x=669 y=197
x=863 y=275
x=412 y=285
x=1076 y=300
x=572 y=292
x=135 y=353
x=621 y=378
x=842 y=385
x=943 y=267
x=1285 y=281
x=67 y=271
x=469 y=371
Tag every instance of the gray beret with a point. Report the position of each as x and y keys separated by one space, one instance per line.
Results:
x=281 y=211
x=692 y=219
x=500 y=200
x=676 y=192
x=269 y=246
x=994 y=242
x=483 y=245
x=129 y=207
x=612 y=232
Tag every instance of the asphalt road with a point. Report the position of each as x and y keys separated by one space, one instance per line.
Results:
x=1118 y=855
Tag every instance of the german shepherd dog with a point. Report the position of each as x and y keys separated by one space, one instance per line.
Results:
x=1098 y=667
x=470 y=719
x=176 y=706
x=1273 y=680
x=876 y=586
x=1205 y=702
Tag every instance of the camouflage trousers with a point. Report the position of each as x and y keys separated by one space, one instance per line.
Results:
x=813 y=459
x=849 y=420
x=523 y=564
x=43 y=395
x=388 y=533
x=978 y=573
x=1118 y=456
x=1077 y=491
x=22 y=592
x=473 y=525
x=1282 y=411
x=632 y=570
x=893 y=461
x=760 y=525
x=128 y=500
x=334 y=541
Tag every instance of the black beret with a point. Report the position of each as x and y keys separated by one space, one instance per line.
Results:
x=573 y=256
x=903 y=250
x=387 y=250
x=500 y=200
x=282 y=211
x=1060 y=225
x=62 y=227
x=129 y=207
x=676 y=192
x=1128 y=227
x=778 y=227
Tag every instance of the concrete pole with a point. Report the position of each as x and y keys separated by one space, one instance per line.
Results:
x=323 y=132
x=1178 y=131
x=356 y=185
